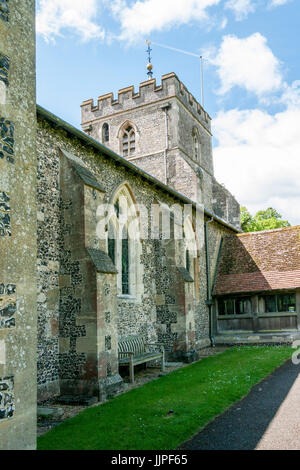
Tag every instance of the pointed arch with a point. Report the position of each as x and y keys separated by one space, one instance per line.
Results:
x=125 y=206
x=127 y=136
x=105 y=133
x=125 y=224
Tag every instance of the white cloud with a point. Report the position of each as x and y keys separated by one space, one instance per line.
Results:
x=277 y=3
x=137 y=18
x=55 y=16
x=241 y=8
x=257 y=158
x=291 y=95
x=143 y=17
x=248 y=63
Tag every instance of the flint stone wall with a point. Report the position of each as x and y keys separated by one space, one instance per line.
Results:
x=153 y=313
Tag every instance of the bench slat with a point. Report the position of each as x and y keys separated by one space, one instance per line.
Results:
x=132 y=343
x=144 y=358
x=135 y=347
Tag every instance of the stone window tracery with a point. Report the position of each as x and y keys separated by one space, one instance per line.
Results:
x=128 y=141
x=123 y=242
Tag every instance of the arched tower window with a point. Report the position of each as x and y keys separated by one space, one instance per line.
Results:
x=196 y=146
x=128 y=141
x=105 y=133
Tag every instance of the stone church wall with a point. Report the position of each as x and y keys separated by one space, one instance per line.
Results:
x=165 y=300
x=224 y=204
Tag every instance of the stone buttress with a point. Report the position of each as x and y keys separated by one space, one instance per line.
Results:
x=88 y=350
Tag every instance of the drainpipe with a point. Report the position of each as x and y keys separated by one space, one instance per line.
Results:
x=209 y=301
x=165 y=109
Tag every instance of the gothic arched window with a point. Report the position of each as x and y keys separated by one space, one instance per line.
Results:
x=123 y=241
x=128 y=141
x=105 y=133
x=196 y=146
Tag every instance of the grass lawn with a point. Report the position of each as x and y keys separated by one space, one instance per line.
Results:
x=140 y=419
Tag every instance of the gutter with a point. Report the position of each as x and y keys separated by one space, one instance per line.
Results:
x=122 y=161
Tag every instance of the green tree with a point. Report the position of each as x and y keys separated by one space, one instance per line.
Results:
x=246 y=219
x=263 y=220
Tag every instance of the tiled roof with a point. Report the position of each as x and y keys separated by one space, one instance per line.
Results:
x=259 y=261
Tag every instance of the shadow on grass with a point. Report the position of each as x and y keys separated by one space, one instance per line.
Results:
x=243 y=425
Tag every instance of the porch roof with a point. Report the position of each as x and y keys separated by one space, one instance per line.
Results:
x=259 y=261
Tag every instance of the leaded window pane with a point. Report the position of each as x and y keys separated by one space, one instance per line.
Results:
x=105 y=133
x=187 y=260
x=287 y=303
x=221 y=307
x=270 y=303
x=229 y=306
x=243 y=306
x=112 y=249
x=125 y=263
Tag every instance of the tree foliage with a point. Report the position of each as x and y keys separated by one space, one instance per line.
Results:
x=263 y=220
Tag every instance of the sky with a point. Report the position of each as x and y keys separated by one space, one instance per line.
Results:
x=250 y=52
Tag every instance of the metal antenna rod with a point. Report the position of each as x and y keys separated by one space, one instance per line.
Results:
x=202 y=82
x=191 y=54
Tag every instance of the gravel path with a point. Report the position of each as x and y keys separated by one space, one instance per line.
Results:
x=267 y=419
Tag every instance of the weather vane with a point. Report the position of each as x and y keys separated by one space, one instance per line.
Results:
x=149 y=66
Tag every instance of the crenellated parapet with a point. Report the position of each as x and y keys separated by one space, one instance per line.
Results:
x=149 y=93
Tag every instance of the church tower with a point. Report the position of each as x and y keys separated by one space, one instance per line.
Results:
x=166 y=132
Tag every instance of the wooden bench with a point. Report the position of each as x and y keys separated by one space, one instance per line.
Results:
x=133 y=351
